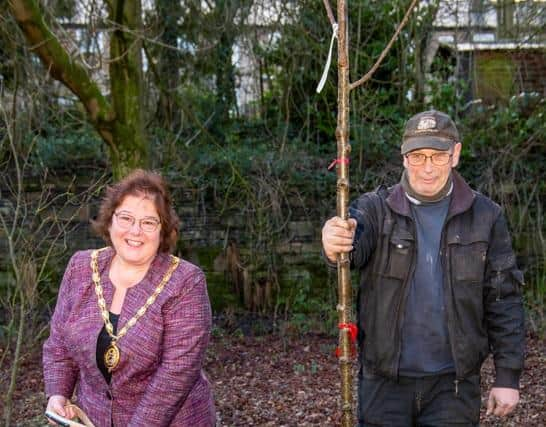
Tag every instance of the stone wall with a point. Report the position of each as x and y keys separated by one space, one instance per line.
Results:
x=204 y=236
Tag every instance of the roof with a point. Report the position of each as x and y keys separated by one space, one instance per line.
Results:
x=466 y=47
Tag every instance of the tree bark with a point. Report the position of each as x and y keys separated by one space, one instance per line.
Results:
x=119 y=123
x=126 y=86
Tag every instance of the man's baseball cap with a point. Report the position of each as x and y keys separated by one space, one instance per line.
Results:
x=430 y=129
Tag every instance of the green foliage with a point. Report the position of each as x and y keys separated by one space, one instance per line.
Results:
x=296 y=62
x=502 y=149
x=69 y=150
x=446 y=95
x=504 y=157
x=265 y=169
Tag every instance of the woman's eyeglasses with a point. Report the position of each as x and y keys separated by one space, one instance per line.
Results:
x=126 y=221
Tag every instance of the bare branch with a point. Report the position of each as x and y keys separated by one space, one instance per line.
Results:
x=375 y=66
x=331 y=17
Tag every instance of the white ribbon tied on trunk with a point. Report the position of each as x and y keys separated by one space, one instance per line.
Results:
x=328 y=60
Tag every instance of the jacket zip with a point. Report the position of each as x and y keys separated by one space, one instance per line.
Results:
x=498 y=281
x=402 y=306
x=448 y=284
x=418 y=400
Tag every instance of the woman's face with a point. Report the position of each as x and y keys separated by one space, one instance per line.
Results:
x=133 y=244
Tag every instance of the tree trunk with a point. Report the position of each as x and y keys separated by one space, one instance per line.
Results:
x=421 y=36
x=224 y=69
x=169 y=63
x=343 y=151
x=419 y=69
x=126 y=87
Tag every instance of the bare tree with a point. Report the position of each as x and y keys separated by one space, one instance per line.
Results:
x=34 y=228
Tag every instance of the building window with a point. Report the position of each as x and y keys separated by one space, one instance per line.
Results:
x=477 y=13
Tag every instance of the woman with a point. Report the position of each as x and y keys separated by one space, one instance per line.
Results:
x=132 y=322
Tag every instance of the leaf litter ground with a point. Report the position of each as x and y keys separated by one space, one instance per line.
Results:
x=272 y=380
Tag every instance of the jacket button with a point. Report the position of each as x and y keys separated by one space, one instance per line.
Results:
x=108 y=395
x=399 y=246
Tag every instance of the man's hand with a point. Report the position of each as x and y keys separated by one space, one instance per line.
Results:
x=502 y=401
x=337 y=236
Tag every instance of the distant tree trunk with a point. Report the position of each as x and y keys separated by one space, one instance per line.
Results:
x=119 y=122
x=229 y=18
x=420 y=43
x=421 y=37
x=225 y=76
x=225 y=14
x=168 y=62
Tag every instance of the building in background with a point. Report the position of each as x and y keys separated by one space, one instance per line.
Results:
x=497 y=46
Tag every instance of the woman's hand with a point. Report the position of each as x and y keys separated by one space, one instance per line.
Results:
x=57 y=403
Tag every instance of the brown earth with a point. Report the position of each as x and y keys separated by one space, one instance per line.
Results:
x=275 y=381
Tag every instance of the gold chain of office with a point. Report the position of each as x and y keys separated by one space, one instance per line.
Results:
x=112 y=354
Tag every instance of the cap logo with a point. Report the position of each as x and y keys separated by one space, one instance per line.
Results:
x=426 y=123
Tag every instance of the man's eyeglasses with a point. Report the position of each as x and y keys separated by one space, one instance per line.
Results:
x=126 y=221
x=437 y=159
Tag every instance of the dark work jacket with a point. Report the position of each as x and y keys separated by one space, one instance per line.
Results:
x=482 y=285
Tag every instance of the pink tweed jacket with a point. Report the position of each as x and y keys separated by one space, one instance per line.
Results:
x=159 y=380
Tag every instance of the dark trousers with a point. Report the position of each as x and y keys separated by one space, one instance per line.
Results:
x=425 y=401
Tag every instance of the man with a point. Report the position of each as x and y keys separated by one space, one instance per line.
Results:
x=439 y=289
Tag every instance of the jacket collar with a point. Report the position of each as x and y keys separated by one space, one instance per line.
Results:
x=462 y=198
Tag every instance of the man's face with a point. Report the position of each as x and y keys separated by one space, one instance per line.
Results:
x=428 y=179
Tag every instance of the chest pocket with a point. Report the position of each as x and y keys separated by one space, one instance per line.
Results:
x=399 y=247
x=468 y=255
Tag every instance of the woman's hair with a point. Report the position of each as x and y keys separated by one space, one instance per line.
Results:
x=152 y=186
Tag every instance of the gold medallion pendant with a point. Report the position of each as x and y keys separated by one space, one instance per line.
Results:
x=111 y=356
